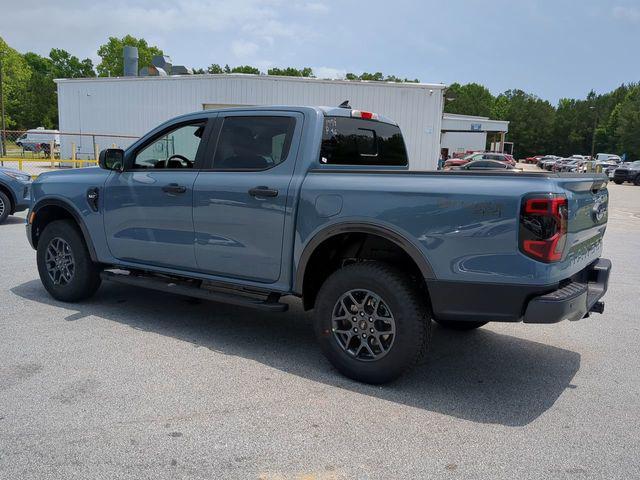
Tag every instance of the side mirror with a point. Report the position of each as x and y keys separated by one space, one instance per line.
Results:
x=112 y=159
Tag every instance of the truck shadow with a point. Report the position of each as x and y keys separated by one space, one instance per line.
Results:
x=483 y=376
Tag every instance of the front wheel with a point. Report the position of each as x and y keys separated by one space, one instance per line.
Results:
x=5 y=207
x=64 y=264
x=618 y=182
x=371 y=322
x=636 y=181
x=460 y=326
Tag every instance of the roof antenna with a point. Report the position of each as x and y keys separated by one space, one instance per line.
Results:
x=345 y=104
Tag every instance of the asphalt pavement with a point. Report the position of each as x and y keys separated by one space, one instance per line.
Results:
x=138 y=384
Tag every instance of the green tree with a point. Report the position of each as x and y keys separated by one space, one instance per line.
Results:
x=66 y=65
x=470 y=99
x=378 y=77
x=530 y=121
x=628 y=124
x=16 y=75
x=40 y=105
x=291 y=72
x=243 y=69
x=215 y=68
x=111 y=55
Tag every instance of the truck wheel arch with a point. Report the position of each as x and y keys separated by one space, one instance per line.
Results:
x=49 y=210
x=305 y=266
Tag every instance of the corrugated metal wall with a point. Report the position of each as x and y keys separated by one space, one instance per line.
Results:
x=132 y=106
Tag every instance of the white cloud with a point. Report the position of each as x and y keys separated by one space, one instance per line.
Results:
x=243 y=49
x=313 y=7
x=629 y=14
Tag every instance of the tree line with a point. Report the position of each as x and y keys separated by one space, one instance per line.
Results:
x=610 y=120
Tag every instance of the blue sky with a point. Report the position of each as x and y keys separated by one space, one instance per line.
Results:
x=553 y=49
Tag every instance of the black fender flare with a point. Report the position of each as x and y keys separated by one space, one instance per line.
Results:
x=358 y=227
x=49 y=202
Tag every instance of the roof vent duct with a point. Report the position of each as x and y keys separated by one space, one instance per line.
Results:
x=130 y=61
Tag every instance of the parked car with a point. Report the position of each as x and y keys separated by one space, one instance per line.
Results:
x=608 y=157
x=559 y=164
x=15 y=192
x=457 y=162
x=533 y=160
x=547 y=160
x=627 y=172
x=250 y=204
x=607 y=167
x=484 y=165
x=38 y=140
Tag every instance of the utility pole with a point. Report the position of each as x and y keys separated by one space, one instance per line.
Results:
x=3 y=144
x=593 y=137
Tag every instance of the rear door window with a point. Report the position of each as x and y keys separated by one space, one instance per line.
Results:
x=354 y=141
x=253 y=142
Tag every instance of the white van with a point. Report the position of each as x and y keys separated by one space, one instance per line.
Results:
x=38 y=139
x=608 y=157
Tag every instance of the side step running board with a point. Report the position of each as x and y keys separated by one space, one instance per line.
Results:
x=270 y=304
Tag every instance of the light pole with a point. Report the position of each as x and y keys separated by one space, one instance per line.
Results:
x=3 y=145
x=595 y=125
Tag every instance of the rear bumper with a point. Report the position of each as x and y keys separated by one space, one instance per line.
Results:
x=573 y=301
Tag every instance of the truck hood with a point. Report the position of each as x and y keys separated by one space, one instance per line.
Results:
x=71 y=173
x=12 y=170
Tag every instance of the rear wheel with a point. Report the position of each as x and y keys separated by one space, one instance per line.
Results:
x=64 y=263
x=636 y=181
x=5 y=207
x=460 y=326
x=371 y=322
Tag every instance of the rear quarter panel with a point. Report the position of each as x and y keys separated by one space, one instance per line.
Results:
x=466 y=226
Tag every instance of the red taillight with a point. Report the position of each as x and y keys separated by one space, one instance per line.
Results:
x=364 y=115
x=543 y=227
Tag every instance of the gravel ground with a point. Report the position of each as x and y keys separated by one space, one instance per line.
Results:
x=137 y=384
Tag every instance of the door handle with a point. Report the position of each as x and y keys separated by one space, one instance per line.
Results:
x=174 y=188
x=263 y=191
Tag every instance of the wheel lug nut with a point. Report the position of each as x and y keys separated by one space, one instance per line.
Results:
x=370 y=319
x=364 y=335
x=355 y=329
x=371 y=330
x=354 y=319
x=362 y=314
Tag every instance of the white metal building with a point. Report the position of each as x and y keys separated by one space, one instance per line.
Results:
x=134 y=105
x=463 y=133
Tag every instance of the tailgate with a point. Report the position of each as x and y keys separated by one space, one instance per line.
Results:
x=588 y=205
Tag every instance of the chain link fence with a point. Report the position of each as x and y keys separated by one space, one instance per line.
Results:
x=39 y=150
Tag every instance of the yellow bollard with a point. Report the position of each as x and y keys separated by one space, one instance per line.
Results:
x=20 y=164
x=96 y=152
x=73 y=154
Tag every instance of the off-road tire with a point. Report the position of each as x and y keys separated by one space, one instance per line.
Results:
x=86 y=274
x=5 y=207
x=407 y=304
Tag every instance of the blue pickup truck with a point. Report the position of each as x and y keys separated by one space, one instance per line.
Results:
x=248 y=205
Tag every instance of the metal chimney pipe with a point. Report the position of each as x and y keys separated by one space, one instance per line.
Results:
x=130 y=61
